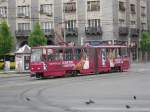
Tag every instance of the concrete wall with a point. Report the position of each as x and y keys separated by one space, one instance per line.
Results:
x=107 y=19
x=34 y=12
x=81 y=16
x=12 y=18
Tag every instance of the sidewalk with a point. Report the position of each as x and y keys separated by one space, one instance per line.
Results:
x=10 y=74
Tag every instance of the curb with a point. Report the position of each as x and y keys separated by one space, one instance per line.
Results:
x=13 y=74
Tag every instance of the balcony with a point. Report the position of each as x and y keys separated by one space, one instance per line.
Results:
x=144 y=30
x=133 y=12
x=3 y=16
x=22 y=15
x=50 y=14
x=22 y=33
x=48 y=32
x=69 y=7
x=134 y=32
x=143 y=14
x=93 y=31
x=123 y=31
x=71 y=31
x=69 y=10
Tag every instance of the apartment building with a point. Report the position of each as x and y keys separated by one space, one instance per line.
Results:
x=27 y=13
x=111 y=21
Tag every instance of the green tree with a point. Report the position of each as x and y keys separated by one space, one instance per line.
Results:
x=6 y=39
x=37 y=37
x=145 y=44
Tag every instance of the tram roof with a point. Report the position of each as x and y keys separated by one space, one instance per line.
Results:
x=109 y=46
x=98 y=46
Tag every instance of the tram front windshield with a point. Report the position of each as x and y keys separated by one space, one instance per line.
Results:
x=36 y=55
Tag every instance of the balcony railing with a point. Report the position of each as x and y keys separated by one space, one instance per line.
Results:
x=22 y=15
x=69 y=10
x=143 y=14
x=71 y=31
x=3 y=16
x=93 y=31
x=46 y=13
x=144 y=30
x=22 y=33
x=123 y=31
x=48 y=32
x=134 y=32
x=133 y=12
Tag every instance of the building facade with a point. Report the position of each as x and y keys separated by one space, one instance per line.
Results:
x=112 y=21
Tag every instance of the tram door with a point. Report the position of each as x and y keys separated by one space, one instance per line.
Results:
x=104 y=57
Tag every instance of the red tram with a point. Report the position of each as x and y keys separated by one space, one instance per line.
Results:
x=49 y=61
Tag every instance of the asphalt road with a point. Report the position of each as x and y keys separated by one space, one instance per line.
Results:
x=114 y=92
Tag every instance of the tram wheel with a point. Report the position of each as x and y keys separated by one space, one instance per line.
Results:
x=74 y=73
x=39 y=76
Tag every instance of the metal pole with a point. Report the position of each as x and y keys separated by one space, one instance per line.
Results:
x=64 y=33
x=64 y=30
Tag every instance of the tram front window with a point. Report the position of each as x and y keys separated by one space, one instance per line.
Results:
x=36 y=55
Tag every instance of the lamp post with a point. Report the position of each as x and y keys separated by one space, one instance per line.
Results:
x=64 y=31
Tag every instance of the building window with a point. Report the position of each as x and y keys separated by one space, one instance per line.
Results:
x=46 y=9
x=70 y=7
x=94 y=23
x=121 y=22
x=143 y=11
x=143 y=26
x=121 y=6
x=93 y=5
x=46 y=25
x=23 y=11
x=23 y=26
x=70 y=24
x=132 y=8
x=3 y=12
x=133 y=22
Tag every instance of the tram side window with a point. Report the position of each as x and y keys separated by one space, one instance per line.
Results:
x=124 y=51
x=55 y=54
x=58 y=54
x=68 y=54
x=77 y=54
x=50 y=53
x=111 y=53
x=85 y=53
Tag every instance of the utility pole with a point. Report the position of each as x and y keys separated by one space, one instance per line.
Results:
x=64 y=29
